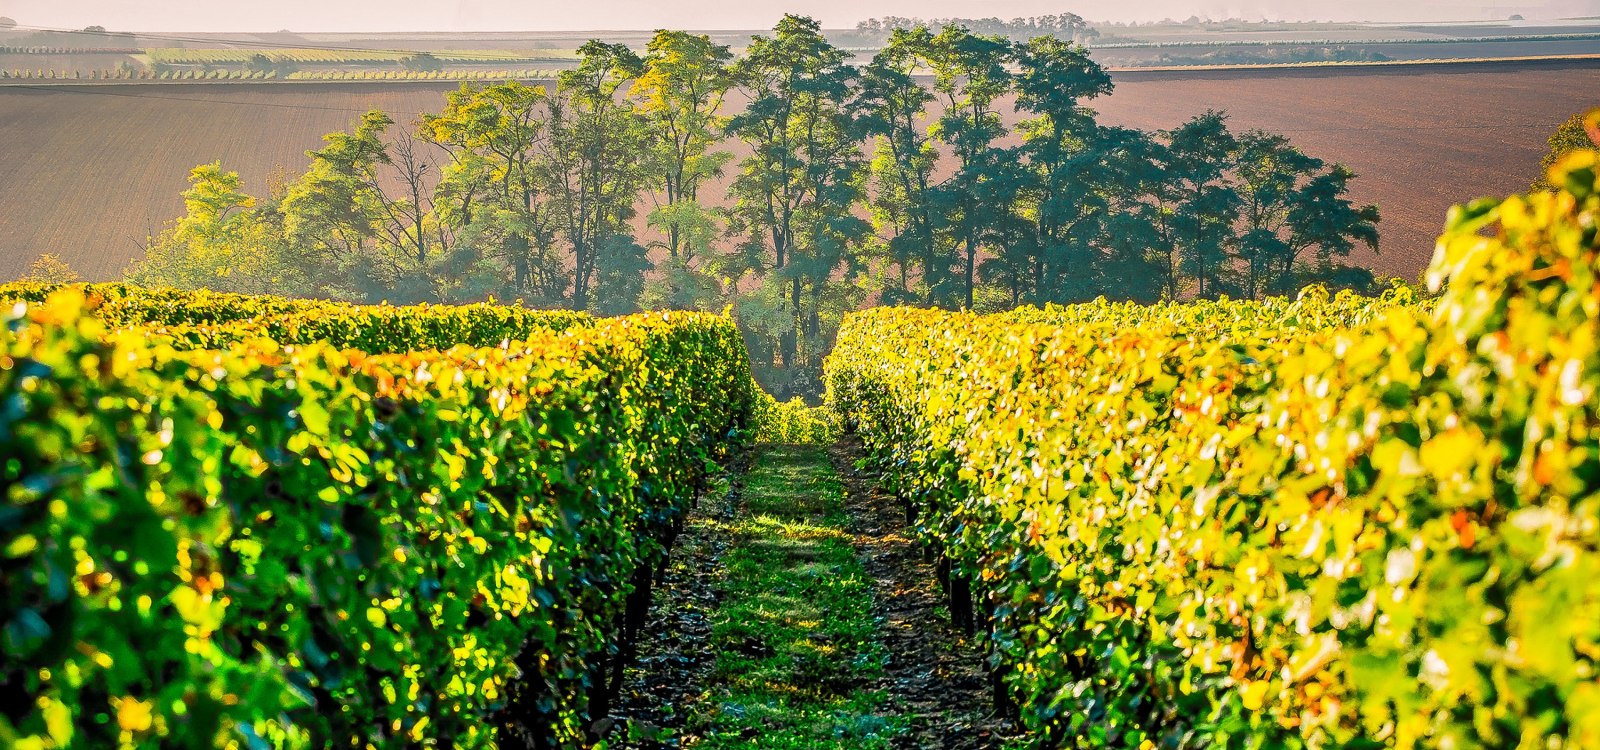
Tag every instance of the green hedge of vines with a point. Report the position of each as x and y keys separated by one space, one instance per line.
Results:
x=1322 y=523
x=267 y=546
x=207 y=320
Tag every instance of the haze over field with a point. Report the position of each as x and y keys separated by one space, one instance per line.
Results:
x=468 y=15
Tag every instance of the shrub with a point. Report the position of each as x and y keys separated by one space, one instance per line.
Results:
x=792 y=421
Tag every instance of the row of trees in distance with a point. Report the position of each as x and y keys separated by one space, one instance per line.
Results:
x=786 y=183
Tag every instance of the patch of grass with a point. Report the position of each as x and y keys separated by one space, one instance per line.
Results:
x=795 y=636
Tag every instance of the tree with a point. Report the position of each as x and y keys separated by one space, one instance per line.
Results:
x=621 y=264
x=892 y=105
x=1269 y=171
x=49 y=268
x=1207 y=207
x=1579 y=131
x=679 y=95
x=342 y=220
x=970 y=76
x=1248 y=214
x=422 y=62
x=795 y=193
x=1323 y=220
x=1060 y=144
x=687 y=279
x=594 y=164
x=493 y=192
x=260 y=63
x=220 y=243
x=1069 y=26
x=1133 y=235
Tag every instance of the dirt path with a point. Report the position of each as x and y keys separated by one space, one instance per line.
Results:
x=795 y=615
x=665 y=686
x=934 y=675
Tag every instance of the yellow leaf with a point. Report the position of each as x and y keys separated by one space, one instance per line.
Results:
x=1255 y=694
x=133 y=715
x=57 y=721
x=1447 y=454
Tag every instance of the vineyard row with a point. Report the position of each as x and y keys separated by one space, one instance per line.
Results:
x=1311 y=524
x=289 y=543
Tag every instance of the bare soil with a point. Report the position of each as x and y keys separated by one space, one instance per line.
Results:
x=667 y=681
x=934 y=675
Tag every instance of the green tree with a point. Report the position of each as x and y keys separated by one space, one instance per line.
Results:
x=1323 y=221
x=219 y=243
x=1011 y=238
x=970 y=76
x=679 y=94
x=340 y=218
x=893 y=105
x=260 y=63
x=1269 y=172
x=1133 y=234
x=49 y=268
x=688 y=279
x=1292 y=204
x=594 y=162
x=621 y=265
x=493 y=190
x=1208 y=203
x=422 y=62
x=1061 y=145
x=795 y=193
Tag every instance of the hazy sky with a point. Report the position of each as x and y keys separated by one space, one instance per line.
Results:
x=453 y=15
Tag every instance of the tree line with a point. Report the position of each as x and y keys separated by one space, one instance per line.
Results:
x=899 y=181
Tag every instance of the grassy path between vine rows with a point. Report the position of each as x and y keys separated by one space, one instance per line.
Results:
x=770 y=628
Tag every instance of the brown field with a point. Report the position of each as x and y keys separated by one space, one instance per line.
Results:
x=90 y=171
x=1420 y=139
x=1117 y=57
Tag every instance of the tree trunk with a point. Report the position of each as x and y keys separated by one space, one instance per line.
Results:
x=972 y=263
x=519 y=263
x=791 y=343
x=580 y=284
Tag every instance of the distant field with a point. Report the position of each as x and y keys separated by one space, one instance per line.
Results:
x=29 y=54
x=90 y=171
x=1421 y=139
x=1411 y=50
